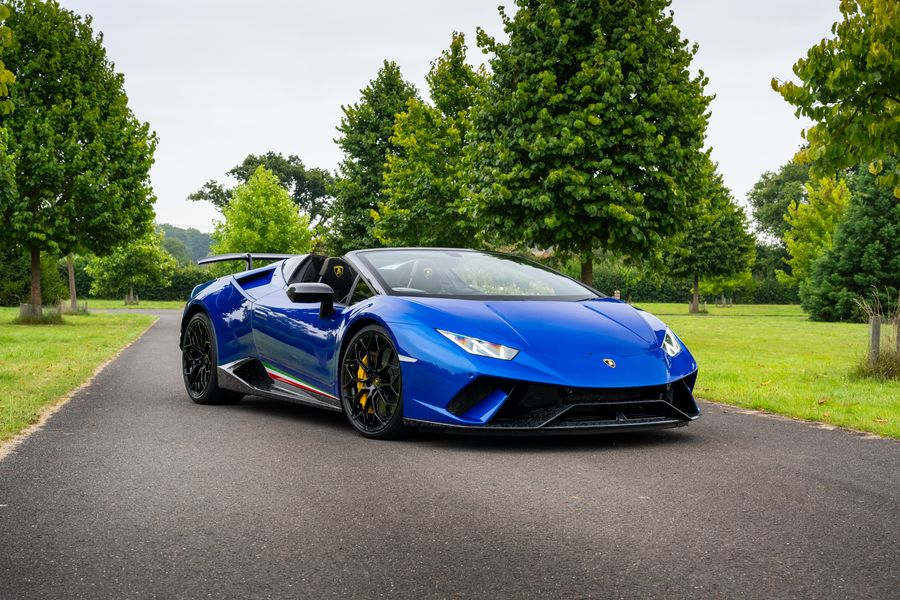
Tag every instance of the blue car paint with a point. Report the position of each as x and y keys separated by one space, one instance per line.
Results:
x=560 y=342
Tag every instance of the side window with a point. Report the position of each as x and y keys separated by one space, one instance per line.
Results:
x=361 y=291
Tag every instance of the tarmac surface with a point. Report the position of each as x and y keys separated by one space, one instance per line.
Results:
x=133 y=491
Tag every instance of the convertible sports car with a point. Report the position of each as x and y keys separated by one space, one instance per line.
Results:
x=434 y=338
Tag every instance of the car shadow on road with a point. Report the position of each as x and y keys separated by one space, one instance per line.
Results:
x=337 y=424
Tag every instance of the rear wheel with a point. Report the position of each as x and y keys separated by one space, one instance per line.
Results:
x=371 y=391
x=198 y=364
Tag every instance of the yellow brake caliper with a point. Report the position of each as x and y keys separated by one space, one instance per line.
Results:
x=361 y=374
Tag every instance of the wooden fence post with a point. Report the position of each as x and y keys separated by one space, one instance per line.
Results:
x=874 y=339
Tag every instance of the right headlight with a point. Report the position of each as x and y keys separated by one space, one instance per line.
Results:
x=670 y=344
x=480 y=347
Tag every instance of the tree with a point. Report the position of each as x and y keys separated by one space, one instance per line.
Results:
x=772 y=194
x=178 y=249
x=366 y=131
x=864 y=257
x=717 y=242
x=591 y=130
x=425 y=182
x=309 y=187
x=261 y=217
x=140 y=263
x=811 y=224
x=81 y=158
x=850 y=86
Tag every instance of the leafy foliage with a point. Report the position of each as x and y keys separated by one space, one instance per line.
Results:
x=81 y=158
x=425 y=182
x=591 y=130
x=773 y=193
x=717 y=244
x=864 y=257
x=367 y=129
x=309 y=187
x=6 y=76
x=142 y=262
x=811 y=225
x=850 y=86
x=261 y=217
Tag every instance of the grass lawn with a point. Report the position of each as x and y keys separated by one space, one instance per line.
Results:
x=41 y=363
x=103 y=304
x=772 y=358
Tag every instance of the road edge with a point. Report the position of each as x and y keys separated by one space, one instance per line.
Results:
x=7 y=447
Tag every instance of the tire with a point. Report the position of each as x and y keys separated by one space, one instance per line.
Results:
x=372 y=396
x=199 y=358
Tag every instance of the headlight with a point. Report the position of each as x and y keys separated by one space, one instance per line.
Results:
x=670 y=344
x=480 y=347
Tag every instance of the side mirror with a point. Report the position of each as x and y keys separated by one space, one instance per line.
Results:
x=306 y=293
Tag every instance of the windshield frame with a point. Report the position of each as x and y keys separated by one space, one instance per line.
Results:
x=359 y=257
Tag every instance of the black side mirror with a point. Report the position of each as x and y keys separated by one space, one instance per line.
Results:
x=305 y=293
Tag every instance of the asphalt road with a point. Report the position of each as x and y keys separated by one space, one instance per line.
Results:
x=132 y=491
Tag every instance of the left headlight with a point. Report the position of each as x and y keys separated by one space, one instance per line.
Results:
x=670 y=344
x=480 y=347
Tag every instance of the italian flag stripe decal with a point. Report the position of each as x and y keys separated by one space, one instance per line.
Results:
x=279 y=375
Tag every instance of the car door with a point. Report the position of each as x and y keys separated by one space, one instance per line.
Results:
x=297 y=345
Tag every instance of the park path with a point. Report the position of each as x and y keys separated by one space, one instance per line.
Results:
x=132 y=491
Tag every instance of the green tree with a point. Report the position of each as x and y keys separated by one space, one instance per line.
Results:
x=261 y=217
x=864 y=257
x=850 y=87
x=717 y=243
x=772 y=194
x=811 y=224
x=309 y=187
x=366 y=131
x=81 y=158
x=140 y=263
x=178 y=249
x=425 y=182
x=590 y=133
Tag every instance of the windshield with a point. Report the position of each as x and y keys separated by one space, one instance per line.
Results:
x=468 y=274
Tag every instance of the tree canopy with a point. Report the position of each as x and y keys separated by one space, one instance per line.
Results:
x=850 y=87
x=367 y=129
x=591 y=131
x=425 y=182
x=309 y=187
x=864 y=257
x=773 y=194
x=811 y=224
x=81 y=158
x=261 y=217
x=6 y=76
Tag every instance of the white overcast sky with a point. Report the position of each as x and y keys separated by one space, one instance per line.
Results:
x=219 y=79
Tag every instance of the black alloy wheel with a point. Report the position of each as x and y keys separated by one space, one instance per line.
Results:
x=198 y=364
x=371 y=386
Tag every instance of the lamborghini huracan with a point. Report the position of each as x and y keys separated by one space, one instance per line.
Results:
x=434 y=338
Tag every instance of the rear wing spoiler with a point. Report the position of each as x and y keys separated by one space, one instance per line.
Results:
x=248 y=257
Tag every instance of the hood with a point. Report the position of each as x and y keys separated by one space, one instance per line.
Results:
x=562 y=328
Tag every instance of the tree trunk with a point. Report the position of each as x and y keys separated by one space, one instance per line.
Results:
x=73 y=296
x=36 y=279
x=695 y=300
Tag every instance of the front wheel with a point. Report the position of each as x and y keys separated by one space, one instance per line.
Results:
x=198 y=364
x=371 y=390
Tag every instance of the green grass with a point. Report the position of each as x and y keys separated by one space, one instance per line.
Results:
x=773 y=358
x=104 y=304
x=40 y=364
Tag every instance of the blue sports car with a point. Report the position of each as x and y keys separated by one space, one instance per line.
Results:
x=434 y=338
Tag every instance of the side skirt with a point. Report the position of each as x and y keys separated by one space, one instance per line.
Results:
x=248 y=376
